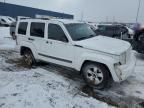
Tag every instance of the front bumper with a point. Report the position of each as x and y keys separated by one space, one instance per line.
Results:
x=126 y=70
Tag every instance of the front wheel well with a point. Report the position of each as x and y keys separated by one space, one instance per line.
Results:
x=88 y=61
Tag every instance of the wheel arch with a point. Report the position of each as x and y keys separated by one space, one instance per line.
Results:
x=90 y=61
x=24 y=48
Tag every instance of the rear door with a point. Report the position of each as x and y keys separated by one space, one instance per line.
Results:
x=21 y=32
x=37 y=34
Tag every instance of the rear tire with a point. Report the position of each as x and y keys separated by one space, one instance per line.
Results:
x=29 y=58
x=96 y=75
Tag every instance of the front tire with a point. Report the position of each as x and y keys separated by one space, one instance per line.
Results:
x=29 y=58
x=96 y=75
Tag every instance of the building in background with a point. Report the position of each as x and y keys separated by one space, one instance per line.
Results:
x=7 y=9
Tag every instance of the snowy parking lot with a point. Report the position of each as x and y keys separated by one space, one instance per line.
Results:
x=51 y=86
x=40 y=88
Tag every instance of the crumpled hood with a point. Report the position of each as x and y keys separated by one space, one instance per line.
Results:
x=105 y=44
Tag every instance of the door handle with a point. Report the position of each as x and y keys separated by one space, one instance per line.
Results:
x=31 y=39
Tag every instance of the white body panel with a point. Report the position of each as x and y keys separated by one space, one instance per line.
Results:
x=105 y=44
x=104 y=50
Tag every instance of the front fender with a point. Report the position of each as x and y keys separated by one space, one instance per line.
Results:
x=100 y=58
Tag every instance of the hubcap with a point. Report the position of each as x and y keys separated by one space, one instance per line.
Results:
x=94 y=75
x=28 y=59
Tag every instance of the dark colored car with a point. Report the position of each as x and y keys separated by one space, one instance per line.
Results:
x=138 y=43
x=12 y=30
x=114 y=31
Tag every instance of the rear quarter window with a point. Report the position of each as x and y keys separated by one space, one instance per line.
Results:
x=22 y=28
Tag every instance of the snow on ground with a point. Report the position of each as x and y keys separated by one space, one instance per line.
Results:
x=37 y=88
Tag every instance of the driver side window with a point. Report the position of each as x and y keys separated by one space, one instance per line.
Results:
x=55 y=32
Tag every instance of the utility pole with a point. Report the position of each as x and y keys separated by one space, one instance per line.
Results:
x=139 y=4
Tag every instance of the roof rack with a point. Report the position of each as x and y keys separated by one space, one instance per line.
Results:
x=42 y=18
x=22 y=17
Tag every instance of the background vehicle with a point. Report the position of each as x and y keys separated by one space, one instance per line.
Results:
x=115 y=31
x=138 y=42
x=6 y=20
x=12 y=30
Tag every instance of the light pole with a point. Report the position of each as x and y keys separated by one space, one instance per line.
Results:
x=139 y=4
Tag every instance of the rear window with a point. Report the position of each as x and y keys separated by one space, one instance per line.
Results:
x=37 y=29
x=22 y=28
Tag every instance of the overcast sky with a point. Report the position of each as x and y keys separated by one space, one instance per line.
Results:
x=93 y=10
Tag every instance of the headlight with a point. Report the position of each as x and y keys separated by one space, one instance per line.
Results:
x=123 y=58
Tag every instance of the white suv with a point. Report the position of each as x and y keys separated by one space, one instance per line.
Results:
x=74 y=44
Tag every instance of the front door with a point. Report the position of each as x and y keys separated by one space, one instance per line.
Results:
x=57 y=47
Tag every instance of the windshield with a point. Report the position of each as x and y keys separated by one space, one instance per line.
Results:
x=80 y=31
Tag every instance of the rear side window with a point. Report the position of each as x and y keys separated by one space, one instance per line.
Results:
x=37 y=29
x=22 y=28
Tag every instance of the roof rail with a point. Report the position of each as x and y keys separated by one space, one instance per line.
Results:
x=22 y=17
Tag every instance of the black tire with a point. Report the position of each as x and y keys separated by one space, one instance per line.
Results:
x=101 y=75
x=29 y=58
